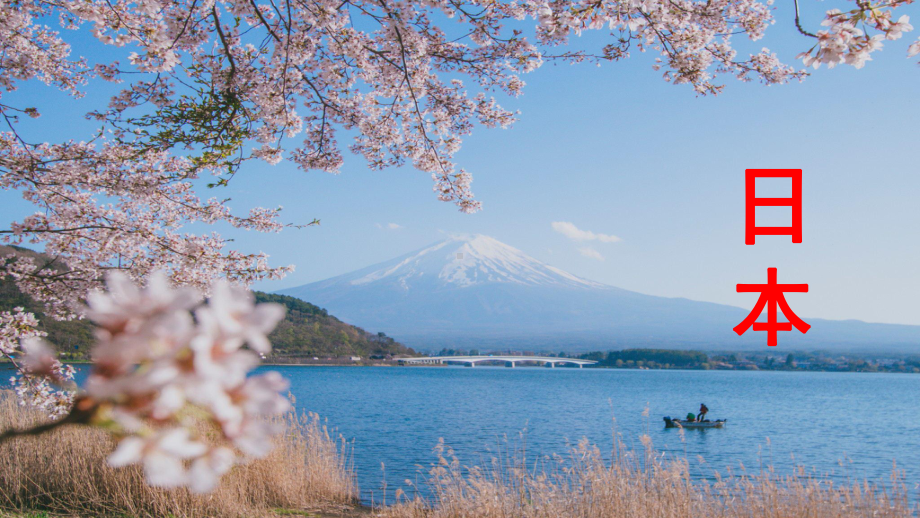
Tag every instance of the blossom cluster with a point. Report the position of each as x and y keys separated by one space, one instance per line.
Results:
x=392 y=73
x=692 y=39
x=844 y=42
x=39 y=376
x=171 y=378
x=104 y=206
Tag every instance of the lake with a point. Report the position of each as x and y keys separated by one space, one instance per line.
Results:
x=846 y=425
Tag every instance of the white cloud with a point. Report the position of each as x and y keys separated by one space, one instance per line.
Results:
x=590 y=252
x=390 y=226
x=574 y=233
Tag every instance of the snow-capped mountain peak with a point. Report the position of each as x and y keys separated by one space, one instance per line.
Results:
x=474 y=291
x=468 y=260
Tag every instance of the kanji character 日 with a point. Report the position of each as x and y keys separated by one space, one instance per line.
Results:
x=771 y=296
x=751 y=202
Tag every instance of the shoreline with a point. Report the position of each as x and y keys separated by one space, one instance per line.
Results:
x=388 y=365
x=537 y=367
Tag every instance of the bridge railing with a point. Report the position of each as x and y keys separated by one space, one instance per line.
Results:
x=472 y=360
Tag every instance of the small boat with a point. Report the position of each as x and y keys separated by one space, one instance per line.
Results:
x=679 y=423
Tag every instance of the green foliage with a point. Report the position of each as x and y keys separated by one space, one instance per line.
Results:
x=308 y=330
x=650 y=357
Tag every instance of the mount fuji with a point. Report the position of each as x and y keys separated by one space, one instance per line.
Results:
x=476 y=292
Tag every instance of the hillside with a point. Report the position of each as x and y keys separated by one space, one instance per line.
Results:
x=307 y=331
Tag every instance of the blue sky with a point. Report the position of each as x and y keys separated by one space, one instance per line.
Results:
x=615 y=150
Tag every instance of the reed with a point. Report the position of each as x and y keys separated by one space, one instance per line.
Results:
x=65 y=472
x=635 y=484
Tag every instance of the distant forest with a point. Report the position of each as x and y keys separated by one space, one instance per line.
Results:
x=764 y=360
x=651 y=358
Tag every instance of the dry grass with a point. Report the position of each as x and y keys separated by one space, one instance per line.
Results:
x=635 y=485
x=64 y=472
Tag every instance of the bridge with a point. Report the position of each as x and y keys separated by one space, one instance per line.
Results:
x=509 y=361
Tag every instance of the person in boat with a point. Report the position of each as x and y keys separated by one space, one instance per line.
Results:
x=703 y=411
x=691 y=417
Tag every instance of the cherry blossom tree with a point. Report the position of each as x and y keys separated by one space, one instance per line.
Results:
x=207 y=86
x=204 y=87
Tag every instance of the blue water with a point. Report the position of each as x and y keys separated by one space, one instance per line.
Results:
x=846 y=425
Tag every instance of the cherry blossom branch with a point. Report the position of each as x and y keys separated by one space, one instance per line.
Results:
x=223 y=41
x=798 y=23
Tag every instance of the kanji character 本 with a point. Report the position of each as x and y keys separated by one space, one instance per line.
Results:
x=751 y=202
x=772 y=293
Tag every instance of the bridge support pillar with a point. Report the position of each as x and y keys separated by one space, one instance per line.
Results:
x=580 y=365
x=509 y=364
x=552 y=365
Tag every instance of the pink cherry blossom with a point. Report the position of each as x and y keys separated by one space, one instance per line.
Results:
x=234 y=319
x=914 y=49
x=42 y=381
x=848 y=40
x=16 y=326
x=159 y=376
x=206 y=470
x=163 y=455
x=37 y=358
